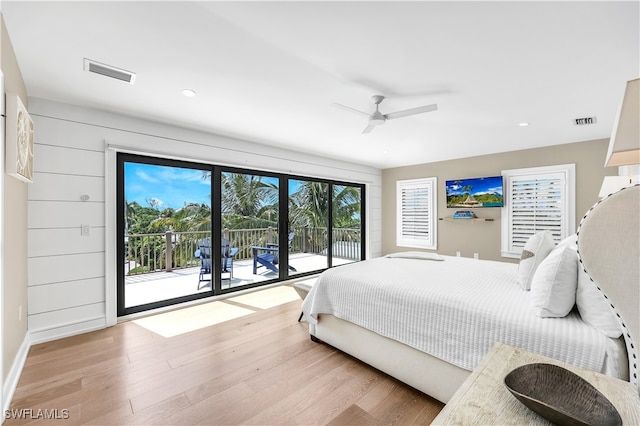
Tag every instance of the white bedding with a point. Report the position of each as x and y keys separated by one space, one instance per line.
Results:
x=456 y=310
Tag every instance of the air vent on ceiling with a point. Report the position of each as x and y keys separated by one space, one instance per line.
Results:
x=109 y=71
x=584 y=121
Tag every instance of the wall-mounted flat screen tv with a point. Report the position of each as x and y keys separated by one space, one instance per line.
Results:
x=475 y=192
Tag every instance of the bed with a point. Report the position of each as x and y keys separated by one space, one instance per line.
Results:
x=428 y=319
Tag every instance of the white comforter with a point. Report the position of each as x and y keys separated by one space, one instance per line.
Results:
x=455 y=309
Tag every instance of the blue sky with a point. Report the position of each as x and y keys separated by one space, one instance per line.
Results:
x=488 y=185
x=169 y=186
x=173 y=186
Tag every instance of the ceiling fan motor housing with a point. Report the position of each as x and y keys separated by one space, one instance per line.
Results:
x=377 y=118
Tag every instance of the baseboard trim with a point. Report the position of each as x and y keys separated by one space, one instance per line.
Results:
x=55 y=333
x=9 y=386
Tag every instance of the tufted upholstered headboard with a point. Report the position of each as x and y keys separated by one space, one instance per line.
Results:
x=609 y=251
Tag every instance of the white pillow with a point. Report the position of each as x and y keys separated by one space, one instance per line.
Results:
x=535 y=250
x=423 y=255
x=570 y=241
x=594 y=308
x=553 y=288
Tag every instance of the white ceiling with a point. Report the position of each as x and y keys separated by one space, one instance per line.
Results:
x=269 y=71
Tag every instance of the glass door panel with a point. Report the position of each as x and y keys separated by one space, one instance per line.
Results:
x=346 y=238
x=308 y=220
x=250 y=244
x=166 y=216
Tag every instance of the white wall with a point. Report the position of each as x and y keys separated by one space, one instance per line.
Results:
x=2 y=114
x=72 y=277
x=13 y=221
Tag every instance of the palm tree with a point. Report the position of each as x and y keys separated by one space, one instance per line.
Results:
x=346 y=206
x=191 y=217
x=248 y=201
x=309 y=210
x=309 y=205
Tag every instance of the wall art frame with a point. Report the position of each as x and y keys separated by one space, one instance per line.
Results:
x=19 y=140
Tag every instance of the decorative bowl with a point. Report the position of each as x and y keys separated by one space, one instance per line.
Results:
x=560 y=396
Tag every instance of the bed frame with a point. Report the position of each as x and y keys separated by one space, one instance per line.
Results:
x=608 y=246
x=433 y=376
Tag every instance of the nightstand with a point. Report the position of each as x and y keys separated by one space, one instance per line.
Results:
x=484 y=399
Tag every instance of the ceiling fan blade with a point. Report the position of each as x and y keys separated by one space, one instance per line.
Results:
x=369 y=128
x=412 y=111
x=350 y=109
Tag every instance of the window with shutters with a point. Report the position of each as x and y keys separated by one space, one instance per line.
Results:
x=537 y=199
x=416 y=213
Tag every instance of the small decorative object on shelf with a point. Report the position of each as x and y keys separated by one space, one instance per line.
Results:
x=464 y=214
x=468 y=215
x=560 y=396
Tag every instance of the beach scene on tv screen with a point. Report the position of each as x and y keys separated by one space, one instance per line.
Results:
x=475 y=192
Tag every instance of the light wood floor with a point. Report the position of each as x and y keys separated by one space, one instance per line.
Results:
x=258 y=369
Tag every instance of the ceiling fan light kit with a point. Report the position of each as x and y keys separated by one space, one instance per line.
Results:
x=377 y=118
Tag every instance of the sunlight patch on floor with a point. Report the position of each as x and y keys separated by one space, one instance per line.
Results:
x=268 y=298
x=185 y=320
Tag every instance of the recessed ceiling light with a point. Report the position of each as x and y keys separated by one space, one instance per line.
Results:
x=189 y=93
x=523 y=124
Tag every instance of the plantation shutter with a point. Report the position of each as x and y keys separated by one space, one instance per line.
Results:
x=537 y=199
x=416 y=212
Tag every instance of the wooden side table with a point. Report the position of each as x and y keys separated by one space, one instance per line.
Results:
x=484 y=399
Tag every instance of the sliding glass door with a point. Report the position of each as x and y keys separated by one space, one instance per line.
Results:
x=326 y=224
x=250 y=227
x=346 y=215
x=164 y=232
x=188 y=230
x=308 y=225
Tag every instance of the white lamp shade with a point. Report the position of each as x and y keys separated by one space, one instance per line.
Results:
x=612 y=184
x=624 y=146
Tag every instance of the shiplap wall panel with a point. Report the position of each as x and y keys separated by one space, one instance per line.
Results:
x=374 y=226
x=56 y=132
x=61 y=241
x=55 y=269
x=53 y=297
x=65 y=214
x=63 y=318
x=67 y=161
x=57 y=187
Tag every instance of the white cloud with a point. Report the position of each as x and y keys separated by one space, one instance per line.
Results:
x=175 y=174
x=145 y=177
x=155 y=202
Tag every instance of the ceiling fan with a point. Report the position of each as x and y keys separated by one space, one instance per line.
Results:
x=377 y=118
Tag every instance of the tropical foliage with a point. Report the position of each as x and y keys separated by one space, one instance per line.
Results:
x=248 y=202
x=152 y=219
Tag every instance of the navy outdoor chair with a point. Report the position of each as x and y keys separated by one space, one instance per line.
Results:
x=204 y=253
x=269 y=256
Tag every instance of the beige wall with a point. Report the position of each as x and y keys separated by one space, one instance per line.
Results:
x=15 y=229
x=471 y=237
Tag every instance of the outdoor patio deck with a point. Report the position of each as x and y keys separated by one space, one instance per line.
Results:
x=148 y=288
